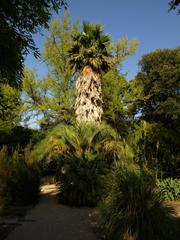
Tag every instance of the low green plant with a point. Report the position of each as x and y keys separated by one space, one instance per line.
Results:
x=81 y=181
x=4 y=173
x=131 y=209
x=169 y=189
x=19 y=178
x=83 y=153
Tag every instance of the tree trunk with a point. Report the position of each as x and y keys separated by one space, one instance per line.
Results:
x=88 y=96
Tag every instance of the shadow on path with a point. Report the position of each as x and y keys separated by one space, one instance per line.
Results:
x=49 y=220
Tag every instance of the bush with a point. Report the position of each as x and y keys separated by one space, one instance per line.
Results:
x=82 y=170
x=19 y=136
x=4 y=173
x=169 y=189
x=131 y=209
x=19 y=179
x=82 y=153
x=80 y=182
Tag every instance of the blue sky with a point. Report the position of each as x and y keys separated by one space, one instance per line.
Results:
x=147 y=21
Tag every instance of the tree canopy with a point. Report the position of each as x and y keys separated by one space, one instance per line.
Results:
x=155 y=101
x=174 y=5
x=19 y=20
x=52 y=97
x=159 y=84
x=90 y=48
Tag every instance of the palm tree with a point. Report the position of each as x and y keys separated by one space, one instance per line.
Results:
x=89 y=56
x=82 y=155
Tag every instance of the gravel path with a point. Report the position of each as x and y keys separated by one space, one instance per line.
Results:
x=49 y=220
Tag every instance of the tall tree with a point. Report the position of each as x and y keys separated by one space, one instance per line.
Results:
x=89 y=56
x=10 y=107
x=19 y=20
x=115 y=87
x=51 y=99
x=156 y=99
x=159 y=81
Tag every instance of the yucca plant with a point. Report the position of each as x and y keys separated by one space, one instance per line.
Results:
x=131 y=208
x=83 y=153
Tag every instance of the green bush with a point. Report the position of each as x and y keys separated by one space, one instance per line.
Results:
x=157 y=147
x=80 y=182
x=131 y=208
x=19 y=136
x=19 y=179
x=4 y=173
x=169 y=189
x=89 y=155
x=83 y=153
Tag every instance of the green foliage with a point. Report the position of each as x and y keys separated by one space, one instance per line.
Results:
x=169 y=189
x=155 y=99
x=90 y=48
x=155 y=147
x=158 y=98
x=51 y=99
x=79 y=139
x=115 y=87
x=4 y=173
x=115 y=113
x=83 y=154
x=19 y=20
x=131 y=209
x=19 y=137
x=121 y=50
x=81 y=181
x=9 y=107
x=19 y=178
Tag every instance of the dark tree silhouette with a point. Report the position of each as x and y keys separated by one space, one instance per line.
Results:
x=19 y=20
x=174 y=5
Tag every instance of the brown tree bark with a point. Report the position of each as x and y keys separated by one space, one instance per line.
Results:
x=88 y=96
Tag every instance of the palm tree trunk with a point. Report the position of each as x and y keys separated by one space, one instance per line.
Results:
x=88 y=96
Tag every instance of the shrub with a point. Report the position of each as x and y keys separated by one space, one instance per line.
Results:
x=83 y=154
x=80 y=181
x=84 y=167
x=19 y=178
x=19 y=136
x=4 y=173
x=169 y=189
x=131 y=209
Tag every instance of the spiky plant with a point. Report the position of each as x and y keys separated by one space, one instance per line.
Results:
x=83 y=153
x=131 y=209
x=89 y=56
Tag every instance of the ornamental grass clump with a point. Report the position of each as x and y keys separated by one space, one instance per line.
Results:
x=132 y=210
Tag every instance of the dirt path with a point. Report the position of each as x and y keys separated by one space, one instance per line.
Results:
x=52 y=221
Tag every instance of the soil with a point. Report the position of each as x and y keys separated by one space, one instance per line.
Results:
x=176 y=206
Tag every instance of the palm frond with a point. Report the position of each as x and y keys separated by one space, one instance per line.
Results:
x=92 y=46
